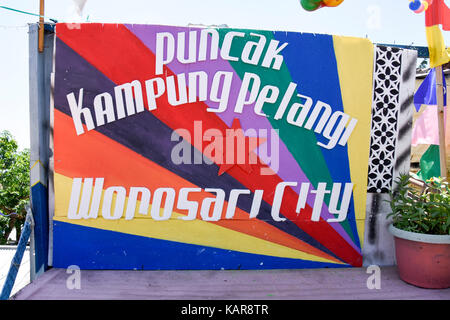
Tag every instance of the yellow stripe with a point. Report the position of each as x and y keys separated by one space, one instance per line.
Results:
x=439 y=54
x=36 y=183
x=36 y=173
x=35 y=163
x=355 y=66
x=193 y=232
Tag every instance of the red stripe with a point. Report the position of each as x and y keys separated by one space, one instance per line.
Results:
x=82 y=159
x=122 y=57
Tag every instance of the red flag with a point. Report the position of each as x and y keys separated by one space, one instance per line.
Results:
x=437 y=14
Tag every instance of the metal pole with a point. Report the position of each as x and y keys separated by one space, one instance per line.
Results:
x=440 y=108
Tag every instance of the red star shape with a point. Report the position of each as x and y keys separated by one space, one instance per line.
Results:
x=249 y=141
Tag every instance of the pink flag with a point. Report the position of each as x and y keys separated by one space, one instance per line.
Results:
x=425 y=129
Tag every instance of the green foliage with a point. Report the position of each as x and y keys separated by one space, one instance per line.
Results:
x=4 y=222
x=422 y=212
x=14 y=184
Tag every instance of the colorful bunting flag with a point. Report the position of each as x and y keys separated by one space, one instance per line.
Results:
x=426 y=93
x=437 y=14
x=425 y=129
x=429 y=164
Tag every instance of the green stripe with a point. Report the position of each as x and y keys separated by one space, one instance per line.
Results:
x=301 y=143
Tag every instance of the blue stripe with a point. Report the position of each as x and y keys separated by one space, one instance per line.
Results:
x=91 y=248
x=39 y=202
x=317 y=77
x=155 y=144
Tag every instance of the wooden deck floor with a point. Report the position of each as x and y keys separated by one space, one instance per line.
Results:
x=318 y=284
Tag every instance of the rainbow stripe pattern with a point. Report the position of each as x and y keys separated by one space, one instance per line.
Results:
x=135 y=151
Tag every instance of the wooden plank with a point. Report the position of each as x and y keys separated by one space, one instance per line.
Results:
x=440 y=108
x=41 y=27
x=304 y=284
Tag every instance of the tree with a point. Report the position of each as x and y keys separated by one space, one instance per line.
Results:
x=14 y=186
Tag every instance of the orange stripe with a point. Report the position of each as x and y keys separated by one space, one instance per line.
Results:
x=79 y=156
x=132 y=60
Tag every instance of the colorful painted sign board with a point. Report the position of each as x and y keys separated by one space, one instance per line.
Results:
x=209 y=148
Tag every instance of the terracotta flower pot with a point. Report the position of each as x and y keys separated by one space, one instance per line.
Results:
x=422 y=259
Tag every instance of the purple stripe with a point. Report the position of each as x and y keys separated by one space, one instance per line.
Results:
x=155 y=144
x=289 y=170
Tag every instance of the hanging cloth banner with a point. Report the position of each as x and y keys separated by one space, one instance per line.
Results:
x=430 y=164
x=426 y=94
x=437 y=14
x=425 y=129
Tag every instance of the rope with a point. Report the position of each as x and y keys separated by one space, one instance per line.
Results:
x=29 y=13
x=17 y=259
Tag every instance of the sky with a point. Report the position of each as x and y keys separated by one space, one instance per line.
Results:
x=381 y=21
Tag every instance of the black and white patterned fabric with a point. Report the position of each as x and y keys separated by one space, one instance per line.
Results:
x=390 y=149
x=385 y=109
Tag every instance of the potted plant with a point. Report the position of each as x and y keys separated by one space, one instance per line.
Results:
x=421 y=230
